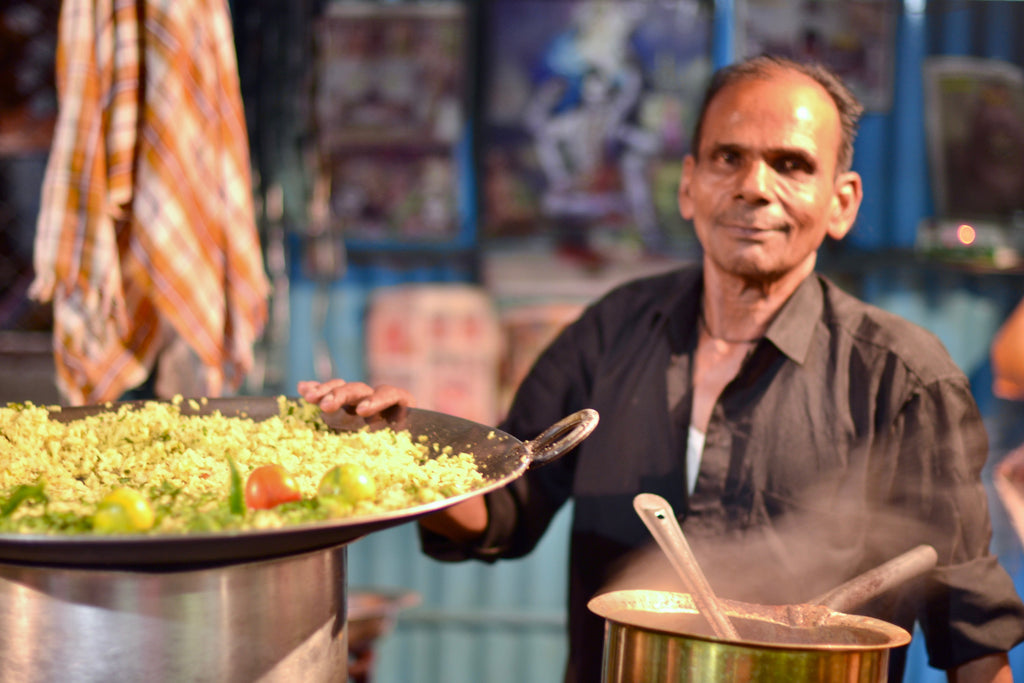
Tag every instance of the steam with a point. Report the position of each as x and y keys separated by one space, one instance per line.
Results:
x=792 y=558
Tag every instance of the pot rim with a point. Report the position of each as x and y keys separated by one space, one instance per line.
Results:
x=614 y=606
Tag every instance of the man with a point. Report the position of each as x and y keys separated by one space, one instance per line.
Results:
x=803 y=436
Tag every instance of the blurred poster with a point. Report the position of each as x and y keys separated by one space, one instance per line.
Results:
x=586 y=115
x=389 y=97
x=975 y=124
x=855 y=39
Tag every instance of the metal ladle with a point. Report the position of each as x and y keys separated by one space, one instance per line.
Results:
x=657 y=514
x=659 y=517
x=857 y=591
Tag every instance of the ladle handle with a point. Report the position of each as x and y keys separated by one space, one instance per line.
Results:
x=848 y=596
x=659 y=517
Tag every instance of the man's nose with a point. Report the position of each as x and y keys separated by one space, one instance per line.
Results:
x=754 y=183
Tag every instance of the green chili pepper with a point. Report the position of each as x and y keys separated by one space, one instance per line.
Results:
x=20 y=495
x=236 y=498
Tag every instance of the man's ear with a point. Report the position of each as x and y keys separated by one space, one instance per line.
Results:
x=686 y=177
x=845 y=203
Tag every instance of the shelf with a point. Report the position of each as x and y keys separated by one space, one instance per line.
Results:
x=859 y=261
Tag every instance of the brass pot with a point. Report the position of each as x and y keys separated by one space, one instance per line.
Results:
x=659 y=637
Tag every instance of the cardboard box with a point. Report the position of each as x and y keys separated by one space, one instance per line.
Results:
x=442 y=342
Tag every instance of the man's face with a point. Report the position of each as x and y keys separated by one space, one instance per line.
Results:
x=763 y=191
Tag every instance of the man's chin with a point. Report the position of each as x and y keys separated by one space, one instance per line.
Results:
x=757 y=269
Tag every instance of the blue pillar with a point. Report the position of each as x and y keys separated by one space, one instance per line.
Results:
x=723 y=34
x=910 y=182
x=956 y=31
x=998 y=43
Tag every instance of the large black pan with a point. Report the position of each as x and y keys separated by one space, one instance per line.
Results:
x=500 y=457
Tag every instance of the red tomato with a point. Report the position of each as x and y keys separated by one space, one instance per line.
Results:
x=269 y=486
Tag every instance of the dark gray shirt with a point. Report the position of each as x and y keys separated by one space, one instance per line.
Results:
x=848 y=436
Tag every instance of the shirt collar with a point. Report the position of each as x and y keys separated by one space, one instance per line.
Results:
x=791 y=331
x=793 y=327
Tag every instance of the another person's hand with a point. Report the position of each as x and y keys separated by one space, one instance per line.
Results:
x=361 y=398
x=1008 y=357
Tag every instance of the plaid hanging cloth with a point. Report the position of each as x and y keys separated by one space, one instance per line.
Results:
x=146 y=236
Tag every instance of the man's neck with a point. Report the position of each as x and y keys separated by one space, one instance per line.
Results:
x=738 y=308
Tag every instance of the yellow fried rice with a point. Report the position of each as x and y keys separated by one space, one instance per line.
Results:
x=157 y=450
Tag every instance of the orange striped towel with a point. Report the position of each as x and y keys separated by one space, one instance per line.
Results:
x=146 y=230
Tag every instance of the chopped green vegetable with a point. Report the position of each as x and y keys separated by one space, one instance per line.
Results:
x=236 y=495
x=21 y=494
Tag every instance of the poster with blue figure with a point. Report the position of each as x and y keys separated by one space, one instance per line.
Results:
x=587 y=111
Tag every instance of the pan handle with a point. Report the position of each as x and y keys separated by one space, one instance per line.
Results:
x=560 y=438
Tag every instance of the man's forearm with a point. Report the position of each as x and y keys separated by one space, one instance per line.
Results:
x=462 y=522
x=993 y=668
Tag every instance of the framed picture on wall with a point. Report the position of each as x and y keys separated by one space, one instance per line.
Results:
x=585 y=115
x=389 y=101
x=854 y=39
x=975 y=125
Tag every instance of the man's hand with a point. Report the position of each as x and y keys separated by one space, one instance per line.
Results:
x=364 y=400
x=462 y=522
x=993 y=668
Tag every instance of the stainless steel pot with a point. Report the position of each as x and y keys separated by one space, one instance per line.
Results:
x=275 y=620
x=659 y=637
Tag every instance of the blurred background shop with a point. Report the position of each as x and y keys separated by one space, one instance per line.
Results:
x=440 y=186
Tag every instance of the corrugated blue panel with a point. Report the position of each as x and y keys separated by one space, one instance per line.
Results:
x=500 y=623
x=326 y=317
x=343 y=329
x=300 y=342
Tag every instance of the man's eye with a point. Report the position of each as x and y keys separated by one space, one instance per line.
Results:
x=725 y=156
x=792 y=165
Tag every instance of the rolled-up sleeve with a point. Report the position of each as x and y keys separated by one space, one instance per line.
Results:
x=973 y=611
x=971 y=607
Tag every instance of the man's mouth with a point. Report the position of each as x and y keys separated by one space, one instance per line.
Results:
x=754 y=229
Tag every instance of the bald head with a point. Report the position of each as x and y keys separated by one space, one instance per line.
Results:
x=767 y=67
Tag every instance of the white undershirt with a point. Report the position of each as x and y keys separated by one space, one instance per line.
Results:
x=694 y=449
